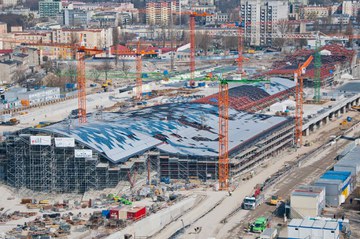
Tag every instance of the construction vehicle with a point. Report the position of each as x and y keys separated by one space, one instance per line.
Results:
x=251 y=202
x=275 y=199
x=107 y=83
x=356 y=107
x=259 y=225
x=307 y=143
x=12 y=121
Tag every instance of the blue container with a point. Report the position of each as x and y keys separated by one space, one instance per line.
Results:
x=342 y=176
x=70 y=85
x=165 y=180
x=105 y=213
x=349 y=119
x=202 y=84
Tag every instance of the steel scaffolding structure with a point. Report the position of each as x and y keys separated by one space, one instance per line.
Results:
x=48 y=168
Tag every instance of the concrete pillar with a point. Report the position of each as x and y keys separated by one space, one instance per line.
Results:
x=318 y=124
x=306 y=132
x=311 y=128
x=326 y=120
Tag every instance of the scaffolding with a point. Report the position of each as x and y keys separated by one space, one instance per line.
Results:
x=48 y=168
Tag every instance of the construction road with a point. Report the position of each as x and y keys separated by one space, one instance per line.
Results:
x=212 y=224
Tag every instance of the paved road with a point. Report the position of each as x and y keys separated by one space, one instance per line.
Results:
x=211 y=225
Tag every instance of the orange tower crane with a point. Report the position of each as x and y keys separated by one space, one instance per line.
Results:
x=223 y=166
x=139 y=53
x=240 y=48
x=192 y=16
x=299 y=94
x=81 y=52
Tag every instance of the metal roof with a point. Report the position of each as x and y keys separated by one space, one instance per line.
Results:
x=185 y=129
x=352 y=158
x=336 y=175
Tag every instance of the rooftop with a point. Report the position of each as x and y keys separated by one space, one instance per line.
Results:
x=188 y=129
x=336 y=175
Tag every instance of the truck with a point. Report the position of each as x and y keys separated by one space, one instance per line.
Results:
x=12 y=121
x=259 y=225
x=275 y=199
x=251 y=202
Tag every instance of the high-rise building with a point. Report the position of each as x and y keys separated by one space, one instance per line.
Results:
x=159 y=12
x=350 y=7
x=76 y=17
x=261 y=18
x=49 y=8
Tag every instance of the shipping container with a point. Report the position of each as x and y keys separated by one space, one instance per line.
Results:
x=25 y=102
x=332 y=191
x=307 y=200
x=70 y=85
x=350 y=162
x=344 y=177
x=105 y=213
x=136 y=213
x=114 y=213
x=26 y=200
x=310 y=228
x=123 y=213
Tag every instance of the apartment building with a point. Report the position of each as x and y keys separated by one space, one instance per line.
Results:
x=7 y=69
x=217 y=18
x=261 y=20
x=159 y=12
x=3 y=27
x=76 y=17
x=350 y=7
x=49 y=8
x=313 y=12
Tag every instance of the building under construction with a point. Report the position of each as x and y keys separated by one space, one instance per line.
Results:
x=179 y=141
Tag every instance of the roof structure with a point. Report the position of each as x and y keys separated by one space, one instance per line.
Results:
x=338 y=55
x=188 y=129
x=244 y=96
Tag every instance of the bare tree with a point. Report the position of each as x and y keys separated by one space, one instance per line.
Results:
x=95 y=74
x=116 y=44
x=203 y=41
x=48 y=66
x=71 y=73
x=105 y=67
x=53 y=80
x=125 y=68
x=230 y=42
x=19 y=76
x=278 y=43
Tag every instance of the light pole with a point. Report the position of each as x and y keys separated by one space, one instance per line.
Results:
x=183 y=226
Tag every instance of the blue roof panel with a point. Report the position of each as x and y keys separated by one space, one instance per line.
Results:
x=336 y=175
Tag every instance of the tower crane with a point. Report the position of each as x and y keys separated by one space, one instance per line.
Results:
x=299 y=94
x=192 y=16
x=81 y=52
x=138 y=53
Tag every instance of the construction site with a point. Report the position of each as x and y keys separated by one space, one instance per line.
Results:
x=194 y=153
